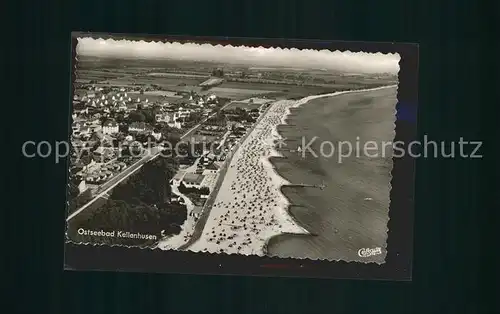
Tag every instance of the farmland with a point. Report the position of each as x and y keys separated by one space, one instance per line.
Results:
x=167 y=77
x=247 y=104
x=171 y=83
x=236 y=93
x=154 y=96
x=176 y=75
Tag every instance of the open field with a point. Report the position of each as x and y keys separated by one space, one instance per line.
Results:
x=161 y=81
x=80 y=92
x=155 y=96
x=236 y=93
x=243 y=105
x=127 y=70
x=98 y=75
x=82 y=81
x=158 y=93
x=176 y=75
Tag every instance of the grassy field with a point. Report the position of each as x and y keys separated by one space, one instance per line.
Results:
x=237 y=93
x=243 y=105
x=154 y=96
x=165 y=82
x=98 y=75
x=178 y=75
x=80 y=92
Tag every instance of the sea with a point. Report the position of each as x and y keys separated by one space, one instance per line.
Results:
x=351 y=212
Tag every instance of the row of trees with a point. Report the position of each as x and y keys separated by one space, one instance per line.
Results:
x=218 y=72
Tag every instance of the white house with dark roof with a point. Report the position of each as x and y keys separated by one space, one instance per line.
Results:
x=164 y=117
x=140 y=127
x=210 y=169
x=110 y=127
x=176 y=124
x=122 y=107
x=193 y=180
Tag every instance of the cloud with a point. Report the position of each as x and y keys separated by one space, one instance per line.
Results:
x=358 y=62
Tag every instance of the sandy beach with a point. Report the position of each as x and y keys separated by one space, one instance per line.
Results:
x=250 y=207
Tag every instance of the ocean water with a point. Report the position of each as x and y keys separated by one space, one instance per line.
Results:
x=351 y=212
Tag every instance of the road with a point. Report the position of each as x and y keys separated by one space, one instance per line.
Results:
x=152 y=154
x=200 y=224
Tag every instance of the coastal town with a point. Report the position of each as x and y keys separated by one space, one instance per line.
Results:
x=182 y=152
x=116 y=129
x=113 y=128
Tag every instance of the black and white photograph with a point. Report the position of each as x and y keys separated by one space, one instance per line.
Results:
x=232 y=149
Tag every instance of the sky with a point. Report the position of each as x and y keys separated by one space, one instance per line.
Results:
x=347 y=61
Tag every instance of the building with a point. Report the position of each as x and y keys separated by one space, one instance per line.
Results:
x=211 y=169
x=75 y=127
x=196 y=212
x=104 y=151
x=110 y=127
x=193 y=180
x=137 y=127
x=82 y=186
x=176 y=124
x=164 y=117
x=178 y=177
x=156 y=135
x=81 y=131
x=181 y=113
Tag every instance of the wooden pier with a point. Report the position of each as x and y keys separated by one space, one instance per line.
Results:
x=304 y=185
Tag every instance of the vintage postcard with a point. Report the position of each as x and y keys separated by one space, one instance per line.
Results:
x=280 y=154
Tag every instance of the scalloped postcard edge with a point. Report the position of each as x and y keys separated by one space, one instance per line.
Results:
x=203 y=41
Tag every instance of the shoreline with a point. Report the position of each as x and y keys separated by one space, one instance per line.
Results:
x=274 y=212
x=252 y=175
x=297 y=104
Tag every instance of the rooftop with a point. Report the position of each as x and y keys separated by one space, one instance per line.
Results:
x=212 y=166
x=110 y=124
x=193 y=178
x=179 y=175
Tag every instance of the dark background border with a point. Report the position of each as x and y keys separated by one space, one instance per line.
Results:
x=398 y=265
x=455 y=237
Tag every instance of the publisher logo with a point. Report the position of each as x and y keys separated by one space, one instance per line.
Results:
x=365 y=252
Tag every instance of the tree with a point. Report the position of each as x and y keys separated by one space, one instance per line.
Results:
x=73 y=189
x=136 y=116
x=218 y=72
x=149 y=115
x=103 y=119
x=157 y=175
x=120 y=118
x=170 y=136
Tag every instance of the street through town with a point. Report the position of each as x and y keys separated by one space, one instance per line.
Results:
x=150 y=155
